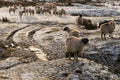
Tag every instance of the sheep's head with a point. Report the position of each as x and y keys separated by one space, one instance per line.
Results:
x=66 y=29
x=84 y=41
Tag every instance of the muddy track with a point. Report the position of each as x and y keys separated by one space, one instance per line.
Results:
x=10 y=37
x=52 y=23
x=31 y=33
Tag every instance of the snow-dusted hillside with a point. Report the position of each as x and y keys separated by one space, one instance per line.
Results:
x=87 y=10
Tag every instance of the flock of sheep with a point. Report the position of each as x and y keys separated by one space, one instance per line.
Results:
x=39 y=9
x=74 y=45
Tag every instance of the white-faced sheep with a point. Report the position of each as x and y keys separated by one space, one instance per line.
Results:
x=107 y=28
x=72 y=32
x=74 y=46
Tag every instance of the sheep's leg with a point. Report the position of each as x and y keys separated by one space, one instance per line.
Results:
x=69 y=56
x=110 y=35
x=102 y=36
x=75 y=56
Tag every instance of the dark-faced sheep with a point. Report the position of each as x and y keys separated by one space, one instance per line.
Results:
x=72 y=32
x=83 y=21
x=74 y=46
x=61 y=12
x=107 y=28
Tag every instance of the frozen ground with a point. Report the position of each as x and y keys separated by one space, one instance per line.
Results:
x=42 y=47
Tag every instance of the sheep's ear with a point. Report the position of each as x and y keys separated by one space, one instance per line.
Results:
x=84 y=40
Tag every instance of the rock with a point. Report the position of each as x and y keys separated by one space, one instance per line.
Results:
x=9 y=62
x=73 y=77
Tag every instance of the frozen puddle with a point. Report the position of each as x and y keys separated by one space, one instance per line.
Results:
x=39 y=53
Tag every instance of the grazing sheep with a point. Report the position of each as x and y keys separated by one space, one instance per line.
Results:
x=47 y=5
x=12 y=10
x=55 y=12
x=74 y=46
x=90 y=26
x=106 y=28
x=83 y=21
x=21 y=13
x=26 y=11
x=72 y=32
x=31 y=11
x=52 y=6
x=61 y=12
x=46 y=10
x=38 y=10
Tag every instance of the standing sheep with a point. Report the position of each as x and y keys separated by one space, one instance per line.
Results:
x=21 y=13
x=46 y=10
x=31 y=11
x=55 y=12
x=72 y=32
x=61 y=12
x=74 y=46
x=106 y=28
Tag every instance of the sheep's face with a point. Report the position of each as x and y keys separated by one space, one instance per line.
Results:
x=89 y=22
x=84 y=41
x=80 y=15
x=66 y=29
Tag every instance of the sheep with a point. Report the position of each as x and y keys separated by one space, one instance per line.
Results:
x=72 y=32
x=61 y=12
x=38 y=10
x=106 y=28
x=31 y=11
x=45 y=10
x=26 y=11
x=21 y=13
x=74 y=46
x=83 y=21
x=12 y=10
x=102 y=22
x=55 y=12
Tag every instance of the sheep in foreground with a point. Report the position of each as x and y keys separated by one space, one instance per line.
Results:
x=74 y=46
x=72 y=32
x=107 y=28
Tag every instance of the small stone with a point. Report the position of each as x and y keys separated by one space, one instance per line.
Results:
x=73 y=77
